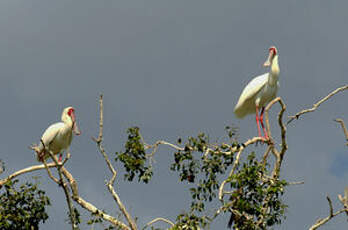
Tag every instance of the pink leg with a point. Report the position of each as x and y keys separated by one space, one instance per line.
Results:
x=258 y=121
x=60 y=158
x=261 y=119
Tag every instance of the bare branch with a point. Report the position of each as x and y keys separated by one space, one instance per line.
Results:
x=49 y=172
x=25 y=170
x=2 y=167
x=64 y=186
x=296 y=183
x=111 y=168
x=88 y=206
x=159 y=219
x=344 y=201
x=321 y=222
x=343 y=127
x=316 y=105
x=330 y=205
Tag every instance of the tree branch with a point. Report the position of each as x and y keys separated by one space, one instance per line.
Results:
x=316 y=105
x=343 y=127
x=25 y=170
x=344 y=199
x=159 y=219
x=111 y=168
x=88 y=206
x=322 y=221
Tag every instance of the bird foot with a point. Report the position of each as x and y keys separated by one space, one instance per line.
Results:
x=264 y=140
x=40 y=156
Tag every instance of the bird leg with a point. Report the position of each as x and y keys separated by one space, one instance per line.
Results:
x=42 y=154
x=60 y=158
x=258 y=121
x=263 y=127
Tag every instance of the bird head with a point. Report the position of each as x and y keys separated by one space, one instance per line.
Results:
x=272 y=52
x=69 y=115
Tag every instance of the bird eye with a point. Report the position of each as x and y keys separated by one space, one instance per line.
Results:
x=273 y=49
x=70 y=111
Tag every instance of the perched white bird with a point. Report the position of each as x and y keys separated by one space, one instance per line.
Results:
x=259 y=91
x=57 y=137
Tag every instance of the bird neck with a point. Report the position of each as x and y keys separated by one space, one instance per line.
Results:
x=68 y=122
x=274 y=72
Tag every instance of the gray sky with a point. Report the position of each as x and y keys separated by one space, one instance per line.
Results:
x=174 y=68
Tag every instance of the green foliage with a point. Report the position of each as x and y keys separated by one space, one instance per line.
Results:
x=76 y=216
x=189 y=221
x=252 y=192
x=134 y=157
x=22 y=208
x=195 y=164
x=254 y=200
x=206 y=167
x=96 y=219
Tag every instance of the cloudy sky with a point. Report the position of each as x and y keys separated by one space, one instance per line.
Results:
x=173 y=68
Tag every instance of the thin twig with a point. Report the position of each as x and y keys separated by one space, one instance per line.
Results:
x=49 y=172
x=344 y=199
x=330 y=205
x=296 y=183
x=343 y=127
x=316 y=105
x=159 y=219
x=331 y=215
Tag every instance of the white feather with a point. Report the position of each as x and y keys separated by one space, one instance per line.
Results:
x=259 y=91
x=57 y=137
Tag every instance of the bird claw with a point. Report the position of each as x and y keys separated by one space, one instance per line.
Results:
x=264 y=140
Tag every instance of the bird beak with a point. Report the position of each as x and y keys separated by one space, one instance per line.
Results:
x=76 y=129
x=270 y=57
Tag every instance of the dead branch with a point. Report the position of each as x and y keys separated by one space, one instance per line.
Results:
x=111 y=189
x=279 y=155
x=296 y=183
x=88 y=206
x=316 y=105
x=2 y=167
x=49 y=172
x=64 y=186
x=331 y=215
x=343 y=127
x=344 y=199
x=157 y=220
x=25 y=170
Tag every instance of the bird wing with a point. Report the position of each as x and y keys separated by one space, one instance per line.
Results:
x=250 y=90
x=50 y=133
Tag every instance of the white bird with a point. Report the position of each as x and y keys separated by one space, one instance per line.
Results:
x=57 y=137
x=259 y=91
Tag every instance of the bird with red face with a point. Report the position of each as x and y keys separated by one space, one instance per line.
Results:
x=260 y=91
x=58 y=136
